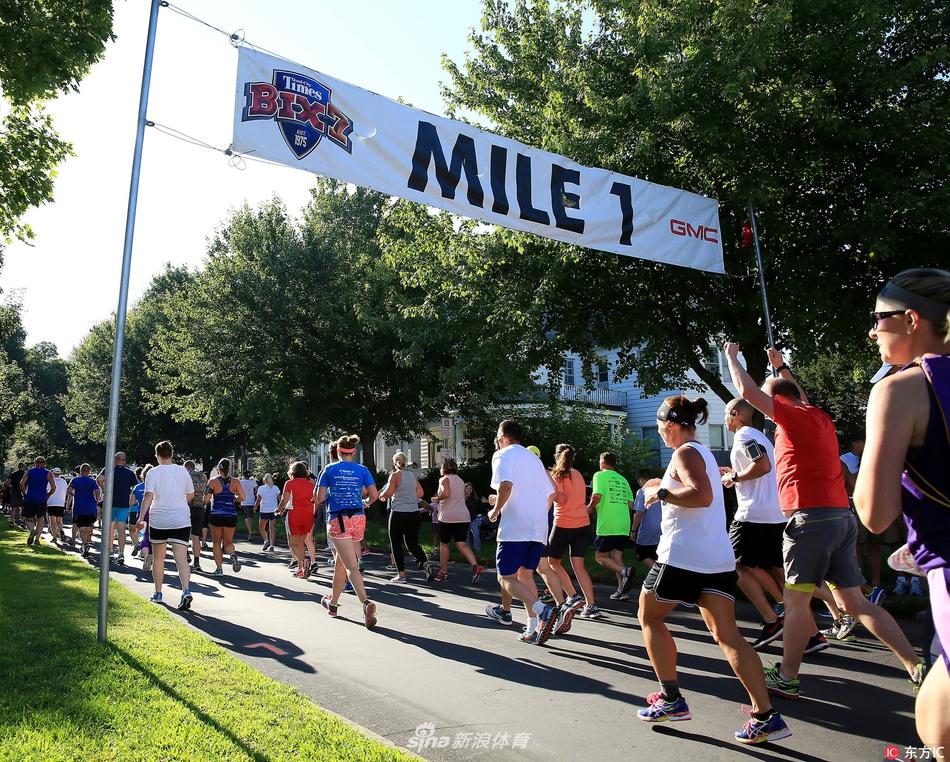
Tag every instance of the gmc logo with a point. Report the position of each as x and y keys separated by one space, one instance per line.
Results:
x=678 y=227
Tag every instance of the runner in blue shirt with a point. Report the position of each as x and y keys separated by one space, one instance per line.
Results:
x=85 y=494
x=37 y=486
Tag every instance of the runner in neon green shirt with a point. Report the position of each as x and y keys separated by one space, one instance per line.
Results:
x=612 y=498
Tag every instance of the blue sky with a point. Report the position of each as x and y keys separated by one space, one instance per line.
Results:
x=68 y=278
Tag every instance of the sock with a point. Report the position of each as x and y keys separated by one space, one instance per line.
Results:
x=532 y=624
x=763 y=716
x=670 y=689
x=537 y=607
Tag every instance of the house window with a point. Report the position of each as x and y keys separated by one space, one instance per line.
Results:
x=651 y=438
x=603 y=374
x=711 y=361
x=567 y=376
x=717 y=437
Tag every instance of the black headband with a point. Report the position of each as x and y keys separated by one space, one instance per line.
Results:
x=676 y=414
x=934 y=311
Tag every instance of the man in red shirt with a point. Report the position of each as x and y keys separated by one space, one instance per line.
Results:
x=819 y=539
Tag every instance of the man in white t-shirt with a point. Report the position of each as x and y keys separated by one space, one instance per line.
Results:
x=758 y=526
x=168 y=492
x=56 y=507
x=249 y=485
x=524 y=491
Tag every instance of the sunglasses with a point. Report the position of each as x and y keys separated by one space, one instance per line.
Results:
x=876 y=317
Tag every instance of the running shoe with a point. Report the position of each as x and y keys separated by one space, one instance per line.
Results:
x=147 y=564
x=331 y=609
x=135 y=550
x=292 y=564
x=205 y=545
x=591 y=611
x=563 y=625
x=120 y=561
x=235 y=562
x=186 y=599
x=361 y=567
x=575 y=602
x=616 y=595
x=399 y=580
x=219 y=572
x=430 y=571
x=29 y=540
x=390 y=567
x=627 y=579
x=661 y=710
x=441 y=577
x=846 y=626
x=156 y=598
x=85 y=551
x=498 y=614
x=876 y=596
x=531 y=638
x=196 y=567
x=759 y=731
x=348 y=587
x=920 y=672
x=816 y=644
x=825 y=614
x=364 y=551
x=423 y=565
x=312 y=566
x=545 y=597
x=769 y=633
x=902 y=587
x=265 y=546
x=62 y=536
x=477 y=572
x=546 y=621
x=781 y=686
x=369 y=614
x=915 y=587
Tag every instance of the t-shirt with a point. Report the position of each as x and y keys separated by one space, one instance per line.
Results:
x=571 y=512
x=613 y=510
x=170 y=486
x=84 y=496
x=124 y=480
x=851 y=461
x=249 y=486
x=16 y=496
x=345 y=481
x=37 y=485
x=139 y=492
x=648 y=533
x=806 y=458
x=200 y=482
x=270 y=497
x=58 y=498
x=757 y=498
x=524 y=517
x=301 y=494
x=453 y=510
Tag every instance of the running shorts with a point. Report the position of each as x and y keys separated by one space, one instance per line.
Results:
x=346 y=527
x=758 y=545
x=671 y=584
x=648 y=551
x=226 y=520
x=561 y=538
x=84 y=520
x=512 y=556
x=179 y=536
x=198 y=520
x=120 y=514
x=819 y=544
x=33 y=510
x=455 y=531
x=611 y=542
x=56 y=510
x=267 y=516
x=248 y=511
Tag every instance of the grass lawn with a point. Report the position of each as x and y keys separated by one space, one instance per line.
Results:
x=158 y=691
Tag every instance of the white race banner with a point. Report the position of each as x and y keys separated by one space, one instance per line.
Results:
x=292 y=115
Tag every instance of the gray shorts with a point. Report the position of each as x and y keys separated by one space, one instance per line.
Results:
x=819 y=544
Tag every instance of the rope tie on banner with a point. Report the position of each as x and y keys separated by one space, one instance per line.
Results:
x=237 y=38
x=236 y=160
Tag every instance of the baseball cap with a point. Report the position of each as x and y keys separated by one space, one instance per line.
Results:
x=534 y=449
x=882 y=373
x=57 y=471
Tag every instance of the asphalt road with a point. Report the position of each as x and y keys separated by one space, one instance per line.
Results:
x=436 y=663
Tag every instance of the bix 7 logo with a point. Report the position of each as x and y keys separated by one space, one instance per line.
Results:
x=302 y=109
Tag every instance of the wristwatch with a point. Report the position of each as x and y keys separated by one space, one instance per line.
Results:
x=735 y=476
x=662 y=493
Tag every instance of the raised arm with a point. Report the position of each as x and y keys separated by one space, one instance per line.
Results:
x=747 y=388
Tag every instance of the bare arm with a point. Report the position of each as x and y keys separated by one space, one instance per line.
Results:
x=284 y=499
x=777 y=361
x=237 y=489
x=51 y=486
x=594 y=500
x=758 y=468
x=391 y=486
x=689 y=468
x=146 y=504
x=504 y=492
x=850 y=480
x=743 y=382
x=445 y=492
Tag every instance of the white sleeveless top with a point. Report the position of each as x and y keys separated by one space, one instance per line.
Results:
x=696 y=539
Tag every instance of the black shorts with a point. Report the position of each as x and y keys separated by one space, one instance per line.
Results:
x=646 y=551
x=248 y=511
x=133 y=518
x=456 y=531
x=673 y=585
x=84 y=520
x=221 y=520
x=611 y=542
x=33 y=510
x=562 y=538
x=199 y=520
x=757 y=545
x=266 y=516
x=56 y=510
x=179 y=536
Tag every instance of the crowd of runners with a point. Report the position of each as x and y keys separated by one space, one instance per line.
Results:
x=794 y=536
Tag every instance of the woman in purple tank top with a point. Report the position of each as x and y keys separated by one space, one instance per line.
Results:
x=904 y=468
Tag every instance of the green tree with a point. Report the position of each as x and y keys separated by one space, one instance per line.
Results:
x=833 y=118
x=46 y=48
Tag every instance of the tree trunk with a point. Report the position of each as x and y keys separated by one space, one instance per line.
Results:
x=368 y=433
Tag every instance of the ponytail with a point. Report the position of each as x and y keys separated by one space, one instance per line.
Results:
x=563 y=461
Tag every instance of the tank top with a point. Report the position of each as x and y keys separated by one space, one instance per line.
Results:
x=37 y=480
x=222 y=504
x=453 y=510
x=404 y=499
x=696 y=539
x=925 y=497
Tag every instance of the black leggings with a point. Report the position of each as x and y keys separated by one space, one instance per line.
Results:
x=404 y=527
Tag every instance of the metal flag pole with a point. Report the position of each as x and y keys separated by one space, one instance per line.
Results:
x=761 y=268
x=106 y=536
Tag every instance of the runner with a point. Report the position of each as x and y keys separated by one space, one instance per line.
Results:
x=819 y=539
x=16 y=496
x=524 y=492
x=168 y=492
x=123 y=480
x=346 y=483
x=645 y=530
x=571 y=531
x=696 y=567
x=906 y=455
x=56 y=508
x=85 y=495
x=37 y=486
x=612 y=498
x=758 y=526
x=249 y=485
x=268 y=496
x=135 y=508
x=454 y=522
x=297 y=502
x=196 y=507
x=405 y=518
x=222 y=492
